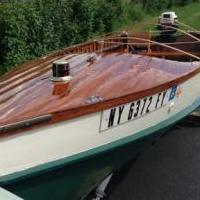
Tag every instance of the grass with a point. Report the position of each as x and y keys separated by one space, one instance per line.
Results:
x=188 y=14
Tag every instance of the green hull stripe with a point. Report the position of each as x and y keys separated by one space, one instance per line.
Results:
x=93 y=152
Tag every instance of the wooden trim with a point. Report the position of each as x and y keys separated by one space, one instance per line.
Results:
x=64 y=115
x=25 y=124
x=100 y=106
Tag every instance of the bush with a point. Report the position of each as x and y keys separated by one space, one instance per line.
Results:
x=31 y=29
x=156 y=5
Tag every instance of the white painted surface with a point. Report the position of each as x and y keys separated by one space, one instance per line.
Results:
x=134 y=110
x=6 y=195
x=68 y=138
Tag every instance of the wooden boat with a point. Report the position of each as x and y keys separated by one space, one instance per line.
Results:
x=62 y=132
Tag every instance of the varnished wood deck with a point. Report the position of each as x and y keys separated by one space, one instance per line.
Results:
x=28 y=98
x=112 y=79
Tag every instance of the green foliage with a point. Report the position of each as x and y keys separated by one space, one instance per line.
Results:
x=16 y=35
x=155 y=5
x=32 y=29
x=182 y=2
x=131 y=11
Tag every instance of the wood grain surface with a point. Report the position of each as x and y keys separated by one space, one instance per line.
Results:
x=112 y=79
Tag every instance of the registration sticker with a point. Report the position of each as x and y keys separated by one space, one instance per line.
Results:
x=124 y=113
x=173 y=93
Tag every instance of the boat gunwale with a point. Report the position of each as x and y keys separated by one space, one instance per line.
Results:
x=69 y=50
x=57 y=164
x=68 y=114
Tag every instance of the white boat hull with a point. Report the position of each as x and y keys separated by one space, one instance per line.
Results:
x=70 y=138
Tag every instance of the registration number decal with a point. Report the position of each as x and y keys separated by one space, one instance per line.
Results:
x=136 y=109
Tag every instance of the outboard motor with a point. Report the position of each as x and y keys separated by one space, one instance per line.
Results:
x=167 y=26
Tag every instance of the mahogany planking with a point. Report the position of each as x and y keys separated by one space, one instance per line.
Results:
x=116 y=78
